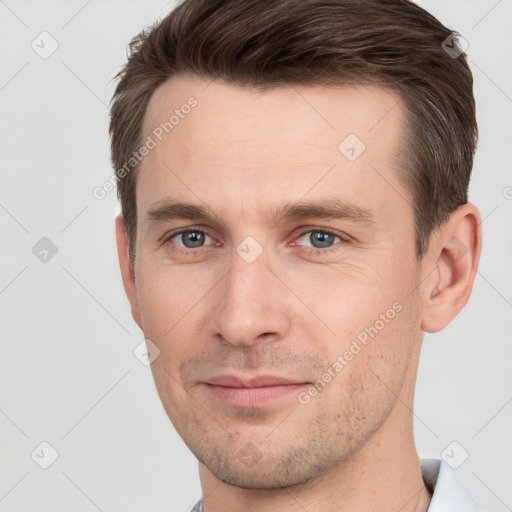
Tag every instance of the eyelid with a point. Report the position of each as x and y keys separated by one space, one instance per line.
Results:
x=322 y=230
x=178 y=231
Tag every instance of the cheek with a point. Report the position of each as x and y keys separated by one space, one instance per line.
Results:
x=355 y=299
x=169 y=297
x=372 y=368
x=388 y=342
x=376 y=322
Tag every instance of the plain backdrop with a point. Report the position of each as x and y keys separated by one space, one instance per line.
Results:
x=68 y=375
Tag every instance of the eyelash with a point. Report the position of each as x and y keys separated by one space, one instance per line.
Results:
x=167 y=238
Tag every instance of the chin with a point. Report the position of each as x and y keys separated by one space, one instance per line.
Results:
x=247 y=479
x=266 y=473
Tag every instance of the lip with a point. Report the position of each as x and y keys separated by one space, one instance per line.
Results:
x=259 y=381
x=251 y=392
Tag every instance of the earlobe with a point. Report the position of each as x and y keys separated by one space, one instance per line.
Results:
x=127 y=270
x=456 y=255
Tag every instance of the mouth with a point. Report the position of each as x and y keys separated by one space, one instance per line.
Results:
x=252 y=392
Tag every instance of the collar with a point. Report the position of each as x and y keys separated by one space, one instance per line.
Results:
x=448 y=494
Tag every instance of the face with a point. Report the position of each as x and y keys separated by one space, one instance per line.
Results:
x=275 y=273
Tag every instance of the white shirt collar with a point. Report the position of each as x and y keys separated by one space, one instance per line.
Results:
x=448 y=493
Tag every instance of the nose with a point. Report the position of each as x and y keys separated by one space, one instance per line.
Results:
x=253 y=304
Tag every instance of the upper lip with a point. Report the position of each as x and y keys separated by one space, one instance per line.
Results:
x=259 y=381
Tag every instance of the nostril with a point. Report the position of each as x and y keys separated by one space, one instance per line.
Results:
x=266 y=335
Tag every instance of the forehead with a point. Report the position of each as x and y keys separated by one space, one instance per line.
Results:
x=322 y=112
x=220 y=141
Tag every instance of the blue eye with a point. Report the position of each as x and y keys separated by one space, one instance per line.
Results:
x=320 y=239
x=316 y=241
x=190 y=239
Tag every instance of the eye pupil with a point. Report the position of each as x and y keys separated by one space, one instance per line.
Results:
x=324 y=239
x=194 y=238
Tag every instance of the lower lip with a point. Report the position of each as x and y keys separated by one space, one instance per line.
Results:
x=251 y=397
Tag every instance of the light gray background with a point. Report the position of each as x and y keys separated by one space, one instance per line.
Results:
x=67 y=372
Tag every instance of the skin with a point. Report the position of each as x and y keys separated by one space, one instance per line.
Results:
x=292 y=311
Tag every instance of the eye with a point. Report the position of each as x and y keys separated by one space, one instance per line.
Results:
x=318 y=241
x=189 y=239
x=321 y=240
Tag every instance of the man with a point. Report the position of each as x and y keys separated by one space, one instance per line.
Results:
x=293 y=179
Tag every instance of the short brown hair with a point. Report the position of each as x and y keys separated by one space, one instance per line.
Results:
x=268 y=43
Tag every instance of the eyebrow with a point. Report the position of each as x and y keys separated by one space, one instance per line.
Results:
x=330 y=208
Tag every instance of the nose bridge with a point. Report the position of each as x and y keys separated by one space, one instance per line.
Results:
x=251 y=303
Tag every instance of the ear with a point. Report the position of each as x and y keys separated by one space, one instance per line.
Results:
x=127 y=270
x=455 y=254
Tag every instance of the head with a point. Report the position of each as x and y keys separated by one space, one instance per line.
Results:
x=293 y=180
